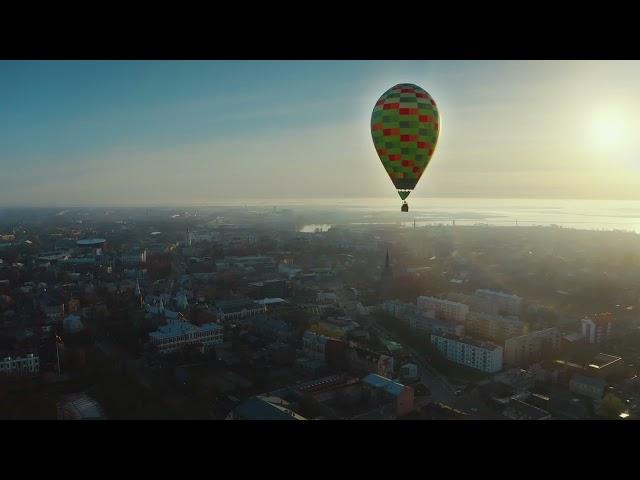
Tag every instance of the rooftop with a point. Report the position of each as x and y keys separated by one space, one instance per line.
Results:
x=260 y=409
x=235 y=305
x=326 y=383
x=83 y=407
x=574 y=337
x=483 y=291
x=601 y=318
x=442 y=301
x=522 y=410
x=90 y=242
x=173 y=329
x=376 y=381
x=271 y=301
x=602 y=360
x=470 y=341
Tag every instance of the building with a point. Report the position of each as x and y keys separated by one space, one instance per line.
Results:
x=198 y=237
x=238 y=308
x=409 y=371
x=79 y=407
x=493 y=327
x=178 y=334
x=72 y=324
x=324 y=298
x=398 y=309
x=381 y=390
x=418 y=320
x=257 y=263
x=519 y=410
x=338 y=326
x=500 y=302
x=363 y=360
x=264 y=408
x=588 y=386
x=134 y=257
x=182 y=302
x=387 y=273
x=597 y=328
x=516 y=378
x=92 y=245
x=443 y=309
x=20 y=365
x=52 y=308
x=290 y=270
x=314 y=345
x=483 y=356
x=270 y=327
x=274 y=304
x=603 y=365
x=348 y=397
x=532 y=347
x=269 y=288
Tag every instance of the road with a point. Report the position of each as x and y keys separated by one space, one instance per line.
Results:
x=441 y=389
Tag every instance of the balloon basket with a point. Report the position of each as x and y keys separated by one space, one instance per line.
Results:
x=405 y=207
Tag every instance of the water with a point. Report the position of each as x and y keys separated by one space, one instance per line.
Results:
x=579 y=214
x=315 y=227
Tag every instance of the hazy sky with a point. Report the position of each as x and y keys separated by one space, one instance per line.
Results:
x=196 y=132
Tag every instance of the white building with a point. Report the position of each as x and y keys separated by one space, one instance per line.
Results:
x=444 y=309
x=483 y=356
x=500 y=302
x=176 y=335
x=134 y=257
x=597 y=328
x=199 y=237
x=28 y=363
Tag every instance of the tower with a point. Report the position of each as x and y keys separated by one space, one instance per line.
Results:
x=181 y=301
x=137 y=294
x=386 y=272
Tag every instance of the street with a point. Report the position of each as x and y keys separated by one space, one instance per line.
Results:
x=441 y=389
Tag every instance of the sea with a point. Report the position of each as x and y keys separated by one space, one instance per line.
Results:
x=568 y=213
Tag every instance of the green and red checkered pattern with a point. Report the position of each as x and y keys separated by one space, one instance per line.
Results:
x=405 y=126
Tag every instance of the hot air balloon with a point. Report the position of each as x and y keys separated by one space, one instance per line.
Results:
x=404 y=126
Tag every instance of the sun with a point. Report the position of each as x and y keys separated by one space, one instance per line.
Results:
x=609 y=130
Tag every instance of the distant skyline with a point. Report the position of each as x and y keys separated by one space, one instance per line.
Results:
x=183 y=132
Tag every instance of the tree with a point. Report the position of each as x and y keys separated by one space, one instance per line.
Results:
x=611 y=407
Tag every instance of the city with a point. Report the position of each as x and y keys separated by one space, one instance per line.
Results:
x=287 y=313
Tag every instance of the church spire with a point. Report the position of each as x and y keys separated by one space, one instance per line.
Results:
x=387 y=273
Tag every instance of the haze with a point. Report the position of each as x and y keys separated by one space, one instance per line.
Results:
x=182 y=132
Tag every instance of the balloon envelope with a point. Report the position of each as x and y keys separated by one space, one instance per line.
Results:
x=404 y=126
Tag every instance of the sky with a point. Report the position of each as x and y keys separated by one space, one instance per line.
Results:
x=200 y=132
